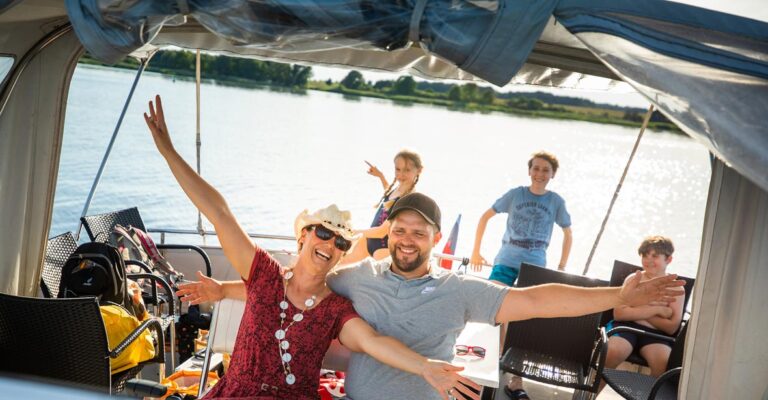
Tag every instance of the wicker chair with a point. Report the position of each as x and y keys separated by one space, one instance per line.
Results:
x=621 y=270
x=557 y=351
x=99 y=227
x=637 y=386
x=64 y=340
x=57 y=251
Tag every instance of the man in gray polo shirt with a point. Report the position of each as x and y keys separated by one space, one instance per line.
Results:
x=425 y=307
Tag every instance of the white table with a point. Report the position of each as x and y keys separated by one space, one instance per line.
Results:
x=484 y=371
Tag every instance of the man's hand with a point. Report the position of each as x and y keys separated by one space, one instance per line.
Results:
x=661 y=289
x=445 y=378
x=206 y=290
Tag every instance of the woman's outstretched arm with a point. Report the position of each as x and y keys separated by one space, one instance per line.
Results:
x=234 y=240
x=359 y=336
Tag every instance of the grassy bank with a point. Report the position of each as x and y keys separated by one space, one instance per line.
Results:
x=564 y=112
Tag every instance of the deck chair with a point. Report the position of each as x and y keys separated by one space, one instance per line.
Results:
x=98 y=228
x=621 y=270
x=65 y=340
x=556 y=351
x=637 y=386
x=57 y=251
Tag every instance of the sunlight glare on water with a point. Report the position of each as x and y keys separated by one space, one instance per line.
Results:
x=273 y=154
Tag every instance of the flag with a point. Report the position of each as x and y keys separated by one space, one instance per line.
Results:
x=450 y=245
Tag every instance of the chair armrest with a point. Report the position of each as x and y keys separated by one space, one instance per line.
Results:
x=641 y=332
x=144 y=267
x=196 y=249
x=166 y=287
x=662 y=380
x=152 y=323
x=599 y=354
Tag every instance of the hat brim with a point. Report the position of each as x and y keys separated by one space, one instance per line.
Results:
x=305 y=219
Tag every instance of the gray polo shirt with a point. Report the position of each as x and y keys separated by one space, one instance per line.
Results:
x=427 y=314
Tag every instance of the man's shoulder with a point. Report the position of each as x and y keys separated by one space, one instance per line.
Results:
x=366 y=267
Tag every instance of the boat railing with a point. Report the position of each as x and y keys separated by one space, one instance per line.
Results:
x=174 y=231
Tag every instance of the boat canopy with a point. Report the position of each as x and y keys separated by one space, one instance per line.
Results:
x=705 y=70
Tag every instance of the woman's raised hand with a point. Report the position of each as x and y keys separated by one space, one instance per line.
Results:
x=156 y=124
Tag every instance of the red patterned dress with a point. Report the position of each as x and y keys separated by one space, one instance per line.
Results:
x=256 y=370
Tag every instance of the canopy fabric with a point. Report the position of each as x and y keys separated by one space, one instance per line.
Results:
x=31 y=127
x=490 y=39
x=726 y=354
x=706 y=71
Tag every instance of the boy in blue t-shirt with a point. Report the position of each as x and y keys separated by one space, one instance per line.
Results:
x=532 y=212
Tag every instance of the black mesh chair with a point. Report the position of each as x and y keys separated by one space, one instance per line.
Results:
x=98 y=228
x=557 y=351
x=65 y=340
x=57 y=251
x=621 y=270
x=637 y=386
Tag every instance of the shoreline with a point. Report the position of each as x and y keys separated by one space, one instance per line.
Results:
x=543 y=110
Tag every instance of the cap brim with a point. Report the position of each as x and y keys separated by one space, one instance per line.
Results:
x=426 y=218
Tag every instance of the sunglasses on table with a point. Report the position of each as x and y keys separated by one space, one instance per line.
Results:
x=324 y=233
x=464 y=350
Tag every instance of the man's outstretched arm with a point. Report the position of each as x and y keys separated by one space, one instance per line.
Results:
x=557 y=300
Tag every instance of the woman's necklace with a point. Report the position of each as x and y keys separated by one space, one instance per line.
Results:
x=280 y=334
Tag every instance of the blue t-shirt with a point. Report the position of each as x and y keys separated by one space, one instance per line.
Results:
x=530 y=221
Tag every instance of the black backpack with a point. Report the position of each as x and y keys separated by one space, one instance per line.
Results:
x=95 y=269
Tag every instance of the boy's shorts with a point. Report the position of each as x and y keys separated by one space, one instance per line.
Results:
x=506 y=275
x=637 y=341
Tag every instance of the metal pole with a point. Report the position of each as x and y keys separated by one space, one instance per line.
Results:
x=618 y=188
x=198 y=142
x=143 y=64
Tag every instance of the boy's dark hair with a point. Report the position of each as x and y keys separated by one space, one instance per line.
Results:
x=546 y=156
x=660 y=244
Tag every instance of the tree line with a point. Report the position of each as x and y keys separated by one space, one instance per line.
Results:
x=224 y=68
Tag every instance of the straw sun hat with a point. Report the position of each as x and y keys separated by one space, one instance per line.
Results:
x=330 y=217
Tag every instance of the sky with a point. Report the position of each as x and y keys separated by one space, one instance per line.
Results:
x=622 y=94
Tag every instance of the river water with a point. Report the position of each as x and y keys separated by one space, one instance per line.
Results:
x=273 y=154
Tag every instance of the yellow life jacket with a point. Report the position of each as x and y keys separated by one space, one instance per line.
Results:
x=119 y=324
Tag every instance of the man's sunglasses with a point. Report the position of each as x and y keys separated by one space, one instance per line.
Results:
x=463 y=350
x=324 y=233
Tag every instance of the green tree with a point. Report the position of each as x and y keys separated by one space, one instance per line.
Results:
x=404 y=85
x=469 y=92
x=454 y=94
x=383 y=85
x=353 y=80
x=487 y=97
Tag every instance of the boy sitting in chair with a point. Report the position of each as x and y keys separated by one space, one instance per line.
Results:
x=661 y=318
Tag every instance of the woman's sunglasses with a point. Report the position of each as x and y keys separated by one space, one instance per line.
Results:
x=324 y=233
x=463 y=350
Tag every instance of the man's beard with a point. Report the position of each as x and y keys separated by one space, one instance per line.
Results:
x=405 y=266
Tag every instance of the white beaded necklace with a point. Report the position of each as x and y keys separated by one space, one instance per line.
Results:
x=280 y=334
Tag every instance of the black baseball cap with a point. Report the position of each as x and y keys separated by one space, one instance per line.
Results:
x=420 y=203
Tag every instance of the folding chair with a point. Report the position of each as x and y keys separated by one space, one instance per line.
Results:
x=557 y=351
x=65 y=340
x=637 y=386
x=98 y=228
x=57 y=251
x=621 y=270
